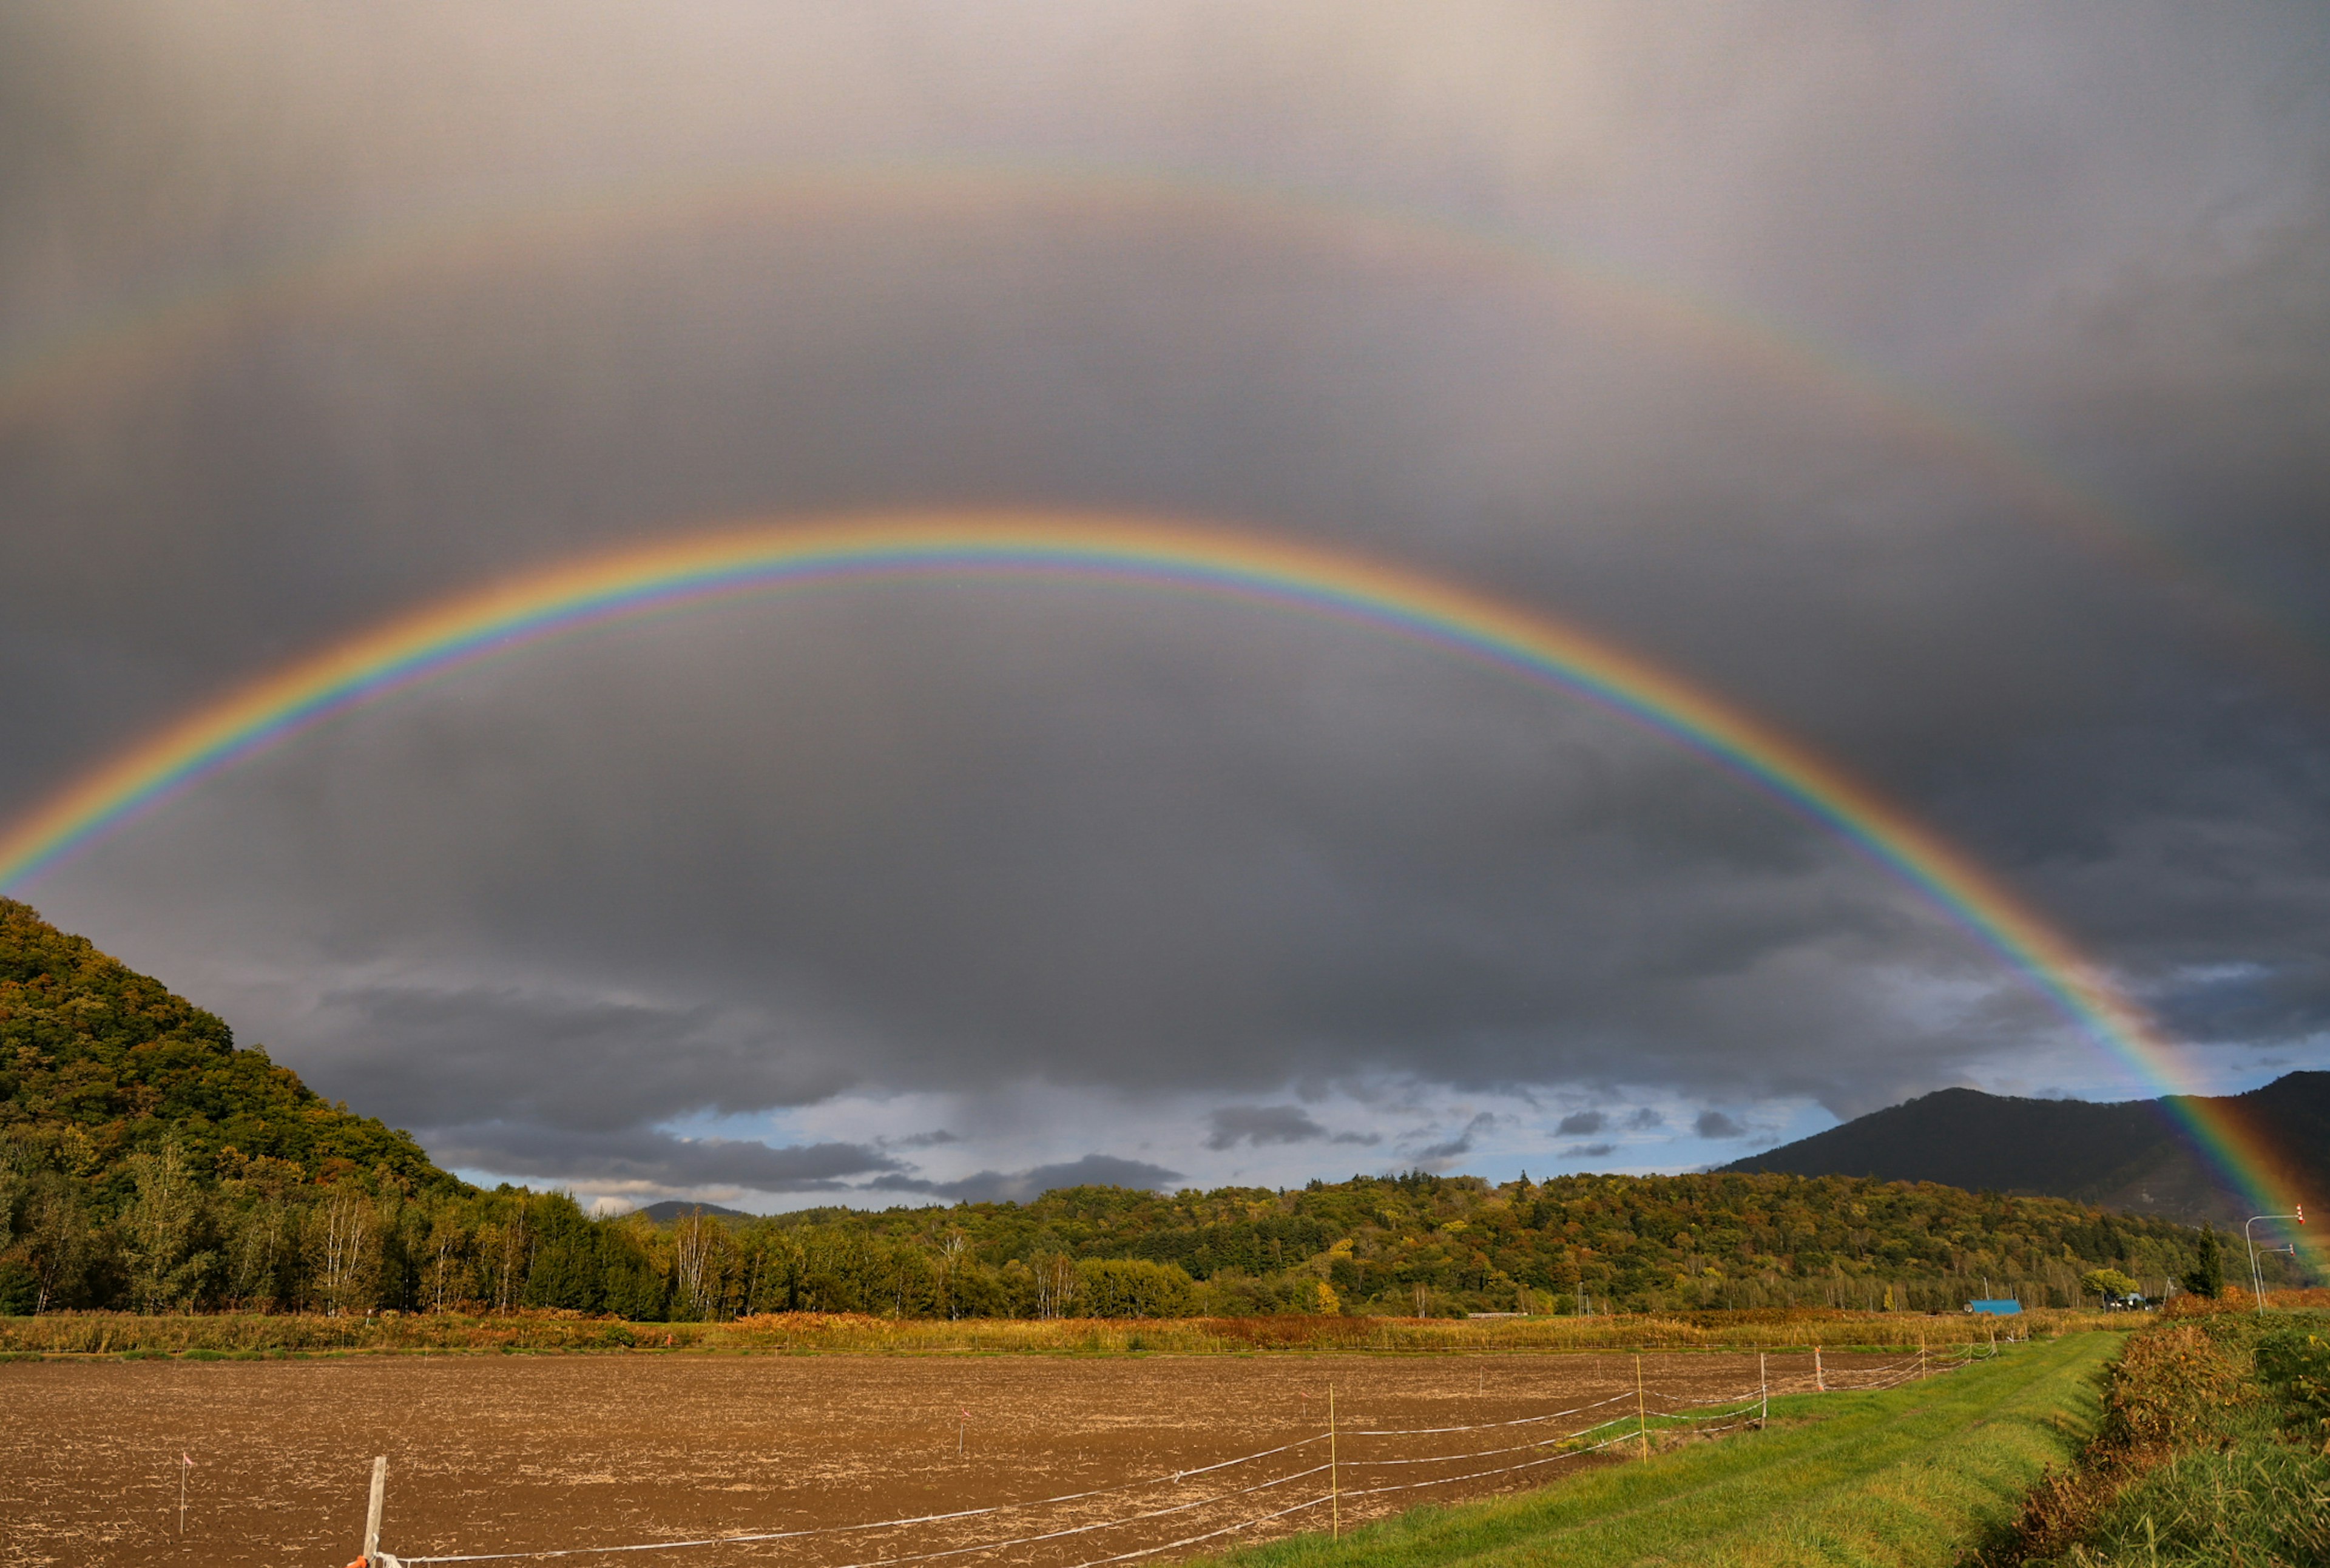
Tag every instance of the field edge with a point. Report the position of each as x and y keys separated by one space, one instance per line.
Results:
x=1911 y=1476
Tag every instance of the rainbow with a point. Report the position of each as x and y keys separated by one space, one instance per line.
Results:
x=1276 y=574
x=133 y=338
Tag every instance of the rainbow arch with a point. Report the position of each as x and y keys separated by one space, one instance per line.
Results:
x=120 y=342
x=1274 y=574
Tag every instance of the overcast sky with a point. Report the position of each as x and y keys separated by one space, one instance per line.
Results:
x=1767 y=341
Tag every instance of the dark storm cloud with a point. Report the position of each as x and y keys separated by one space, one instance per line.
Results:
x=1714 y=1124
x=1018 y=1186
x=585 y=1065
x=950 y=840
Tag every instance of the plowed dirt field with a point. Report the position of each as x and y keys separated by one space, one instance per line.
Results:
x=527 y=1454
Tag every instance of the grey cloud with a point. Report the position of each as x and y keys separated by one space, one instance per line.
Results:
x=571 y=1061
x=942 y=839
x=1713 y=1124
x=1260 y=1124
x=659 y=1159
x=1019 y=1187
x=1461 y=1144
x=1589 y=1151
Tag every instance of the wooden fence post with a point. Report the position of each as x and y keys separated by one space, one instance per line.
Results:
x=372 y=1510
x=1334 y=1475
x=1641 y=1417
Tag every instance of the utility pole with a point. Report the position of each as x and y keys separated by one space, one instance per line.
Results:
x=2257 y=1277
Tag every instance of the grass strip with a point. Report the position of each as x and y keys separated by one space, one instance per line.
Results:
x=2214 y=1453
x=1911 y=1475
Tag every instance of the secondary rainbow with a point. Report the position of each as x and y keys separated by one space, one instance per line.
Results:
x=142 y=334
x=1153 y=555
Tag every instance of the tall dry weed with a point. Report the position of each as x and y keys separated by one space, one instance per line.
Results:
x=2173 y=1385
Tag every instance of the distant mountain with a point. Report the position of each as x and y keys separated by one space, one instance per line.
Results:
x=671 y=1209
x=2132 y=1155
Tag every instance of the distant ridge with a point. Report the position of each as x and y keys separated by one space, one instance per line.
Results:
x=2131 y=1155
x=671 y=1209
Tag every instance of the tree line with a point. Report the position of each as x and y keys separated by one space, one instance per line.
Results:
x=160 y=1234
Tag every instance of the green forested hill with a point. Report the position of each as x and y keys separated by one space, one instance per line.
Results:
x=145 y=1160
x=98 y=1063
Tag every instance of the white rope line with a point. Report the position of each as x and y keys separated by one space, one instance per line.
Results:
x=1169 y=1545
x=1670 y=1414
x=1733 y=1404
x=965 y=1551
x=1483 y=1426
x=931 y=1518
x=1503 y=1470
x=1480 y=1454
x=1840 y=1372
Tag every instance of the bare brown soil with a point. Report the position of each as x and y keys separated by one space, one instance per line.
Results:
x=522 y=1453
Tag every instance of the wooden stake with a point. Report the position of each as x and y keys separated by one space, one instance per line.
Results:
x=182 y=1495
x=1820 y=1377
x=1641 y=1417
x=372 y=1511
x=1762 y=1392
x=1334 y=1475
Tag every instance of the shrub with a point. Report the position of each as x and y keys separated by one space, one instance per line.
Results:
x=1134 y=1287
x=2173 y=1384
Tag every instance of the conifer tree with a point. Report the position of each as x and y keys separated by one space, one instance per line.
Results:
x=2207 y=1277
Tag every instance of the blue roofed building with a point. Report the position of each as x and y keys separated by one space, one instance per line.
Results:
x=2006 y=1308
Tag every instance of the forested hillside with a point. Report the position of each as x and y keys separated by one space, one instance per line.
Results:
x=2134 y=1154
x=136 y=1139
x=146 y=1163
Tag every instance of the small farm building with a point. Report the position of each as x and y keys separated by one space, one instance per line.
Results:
x=2007 y=1309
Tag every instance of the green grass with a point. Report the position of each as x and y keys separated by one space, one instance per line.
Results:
x=1912 y=1476
x=2259 y=1503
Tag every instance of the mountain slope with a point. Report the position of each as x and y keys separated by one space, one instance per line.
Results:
x=99 y=1063
x=2132 y=1155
